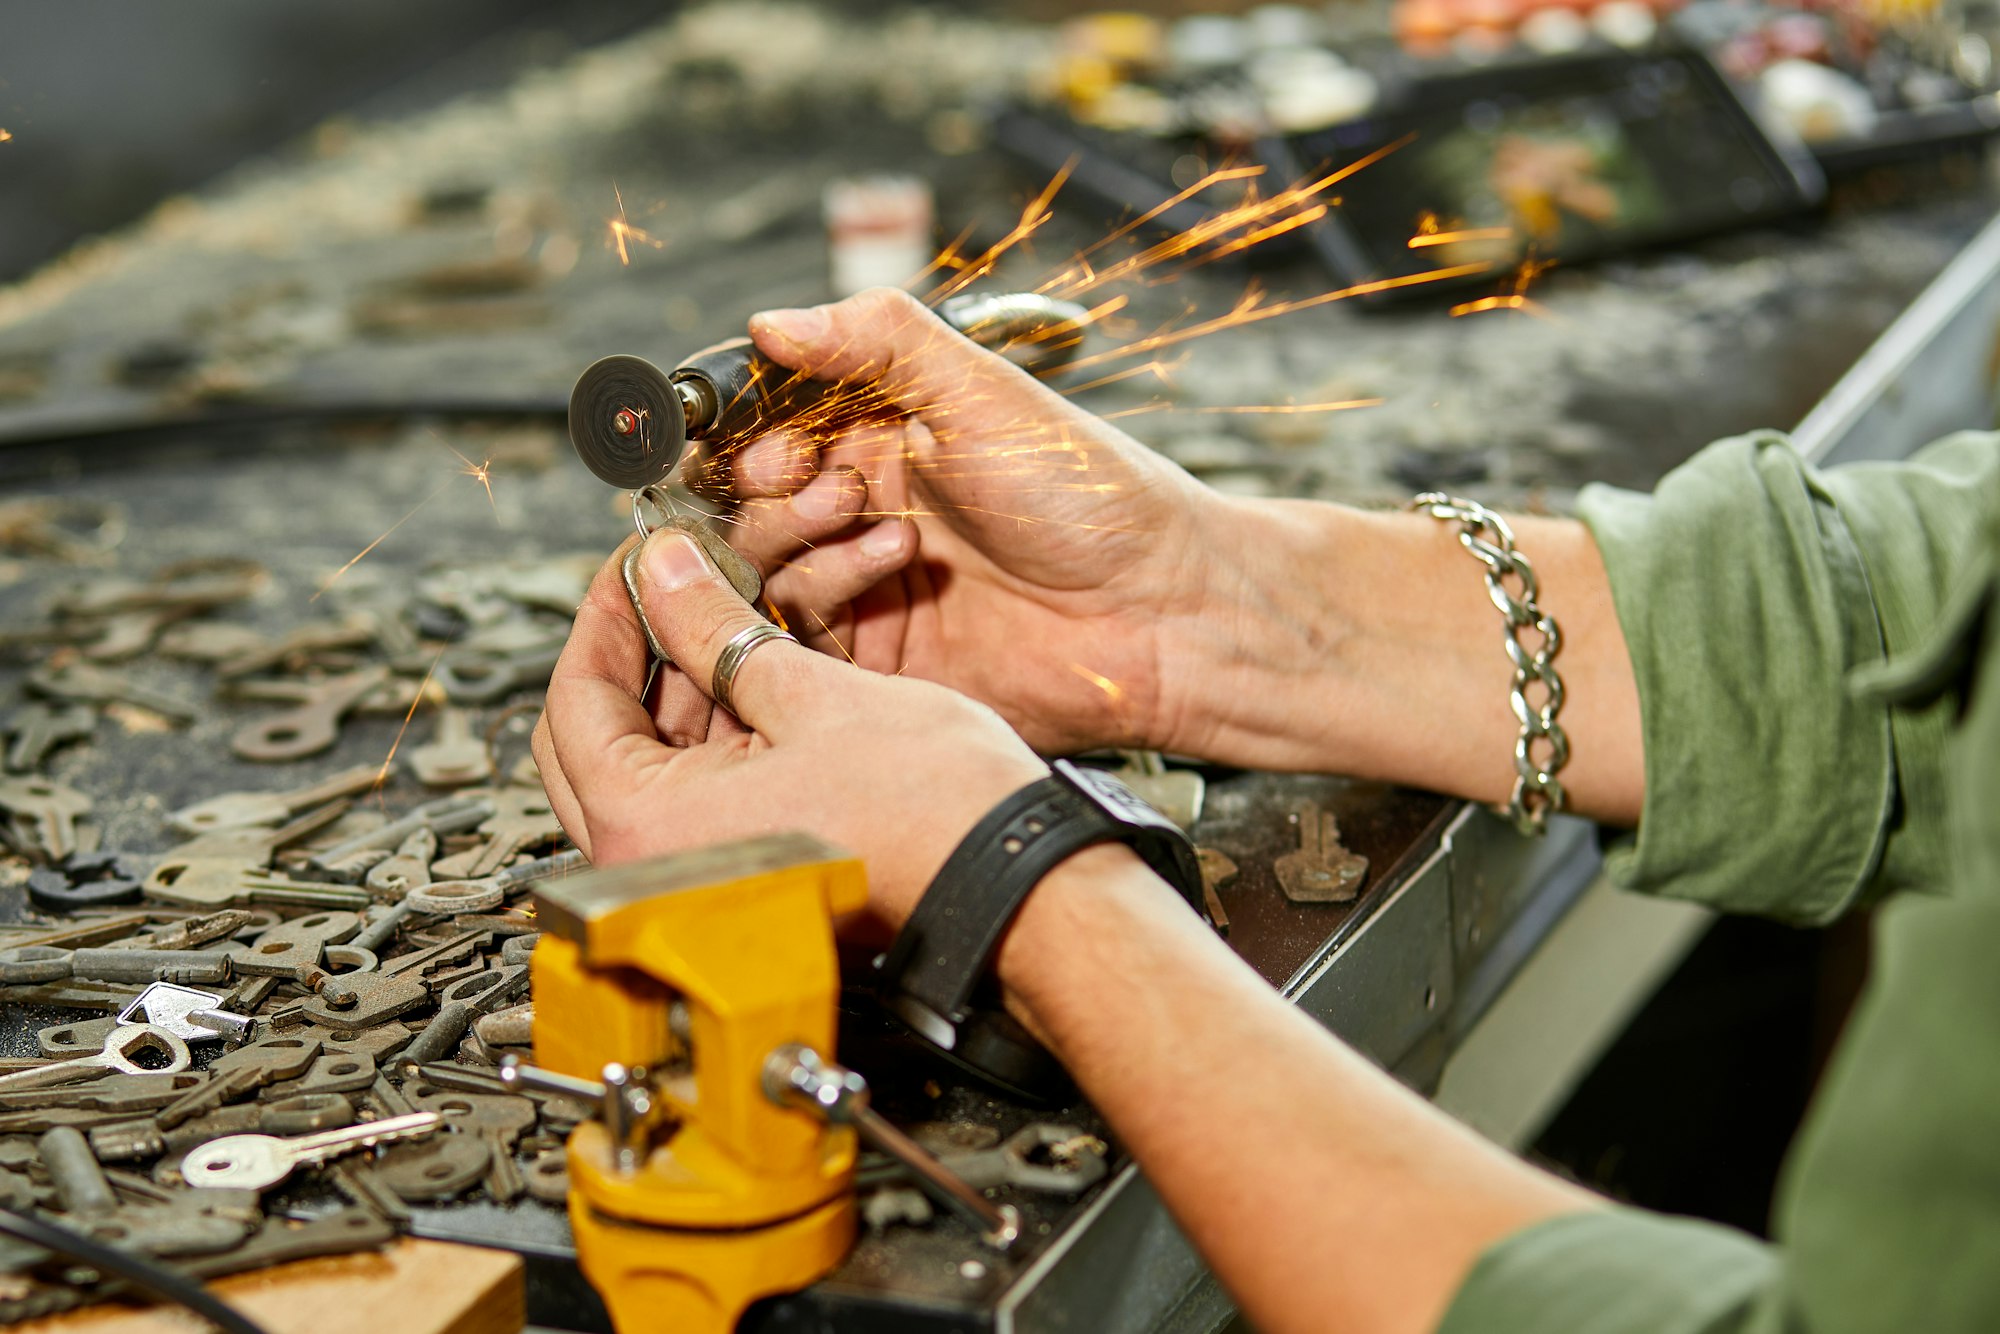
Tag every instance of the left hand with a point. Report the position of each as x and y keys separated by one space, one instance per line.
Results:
x=892 y=769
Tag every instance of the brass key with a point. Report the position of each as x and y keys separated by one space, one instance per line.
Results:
x=99 y=685
x=237 y=810
x=39 y=728
x=313 y=725
x=47 y=812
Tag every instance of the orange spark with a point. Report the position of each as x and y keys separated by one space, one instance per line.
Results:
x=1512 y=301
x=5 y=134
x=1161 y=370
x=382 y=777
x=1423 y=238
x=1233 y=409
x=1256 y=220
x=1529 y=270
x=966 y=272
x=1249 y=310
x=335 y=577
x=1112 y=690
x=478 y=472
x=619 y=231
x=828 y=630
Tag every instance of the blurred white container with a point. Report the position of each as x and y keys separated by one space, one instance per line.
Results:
x=880 y=231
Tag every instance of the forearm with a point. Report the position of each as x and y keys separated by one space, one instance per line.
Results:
x=1323 y=1194
x=1364 y=643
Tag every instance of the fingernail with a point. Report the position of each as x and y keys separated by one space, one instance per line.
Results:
x=884 y=539
x=822 y=499
x=673 y=560
x=799 y=327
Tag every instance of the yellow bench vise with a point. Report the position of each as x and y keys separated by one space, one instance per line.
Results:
x=673 y=981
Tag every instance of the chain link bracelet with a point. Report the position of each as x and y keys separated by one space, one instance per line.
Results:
x=1543 y=747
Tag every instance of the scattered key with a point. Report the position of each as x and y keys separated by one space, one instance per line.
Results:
x=86 y=880
x=238 y=810
x=241 y=1072
x=1323 y=870
x=313 y=724
x=520 y=820
x=409 y=867
x=189 y=1014
x=100 y=685
x=167 y=1055
x=257 y=1162
x=454 y=756
x=44 y=814
x=39 y=727
x=446 y=815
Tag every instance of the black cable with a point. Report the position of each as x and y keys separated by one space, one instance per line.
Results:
x=148 y=1277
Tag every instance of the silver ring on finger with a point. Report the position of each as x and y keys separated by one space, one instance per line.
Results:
x=730 y=660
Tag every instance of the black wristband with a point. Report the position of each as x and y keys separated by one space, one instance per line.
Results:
x=929 y=975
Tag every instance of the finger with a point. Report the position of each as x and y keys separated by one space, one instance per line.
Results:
x=681 y=712
x=696 y=613
x=600 y=731
x=814 y=586
x=768 y=531
x=569 y=814
x=776 y=463
x=888 y=338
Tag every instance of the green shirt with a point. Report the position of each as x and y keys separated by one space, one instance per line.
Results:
x=1819 y=680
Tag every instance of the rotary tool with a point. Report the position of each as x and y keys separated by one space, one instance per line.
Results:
x=631 y=422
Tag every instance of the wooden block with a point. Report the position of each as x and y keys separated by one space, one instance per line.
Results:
x=412 y=1287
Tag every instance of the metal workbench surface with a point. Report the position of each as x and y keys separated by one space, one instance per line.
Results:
x=457 y=260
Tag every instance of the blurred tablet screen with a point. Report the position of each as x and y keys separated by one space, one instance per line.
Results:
x=1562 y=161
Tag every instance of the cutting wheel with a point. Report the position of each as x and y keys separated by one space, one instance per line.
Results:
x=626 y=422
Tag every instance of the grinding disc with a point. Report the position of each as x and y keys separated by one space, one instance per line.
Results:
x=626 y=423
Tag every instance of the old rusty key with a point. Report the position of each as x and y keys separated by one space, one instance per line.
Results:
x=47 y=811
x=1323 y=870
x=242 y=1071
x=38 y=728
x=454 y=756
x=99 y=685
x=312 y=726
x=121 y=1052
x=406 y=868
x=496 y=1119
x=288 y=947
x=238 y=810
x=521 y=818
x=257 y=1162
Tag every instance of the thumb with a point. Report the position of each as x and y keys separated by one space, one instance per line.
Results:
x=887 y=338
x=695 y=615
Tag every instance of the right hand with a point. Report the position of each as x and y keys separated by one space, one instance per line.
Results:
x=994 y=537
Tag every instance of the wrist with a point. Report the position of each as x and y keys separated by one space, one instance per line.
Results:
x=1249 y=674
x=1051 y=939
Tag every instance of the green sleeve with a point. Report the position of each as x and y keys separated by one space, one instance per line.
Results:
x=1614 y=1271
x=1889 y=1206
x=1749 y=588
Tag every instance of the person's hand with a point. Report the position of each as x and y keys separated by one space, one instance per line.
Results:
x=994 y=537
x=895 y=771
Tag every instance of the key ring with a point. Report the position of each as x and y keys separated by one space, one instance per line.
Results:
x=657 y=497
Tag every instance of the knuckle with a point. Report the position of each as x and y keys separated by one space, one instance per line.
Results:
x=892 y=302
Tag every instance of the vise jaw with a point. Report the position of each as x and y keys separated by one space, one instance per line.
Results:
x=684 y=974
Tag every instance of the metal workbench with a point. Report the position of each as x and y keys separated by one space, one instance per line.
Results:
x=310 y=291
